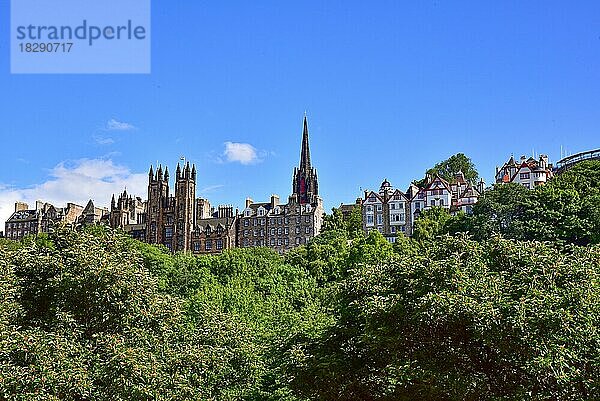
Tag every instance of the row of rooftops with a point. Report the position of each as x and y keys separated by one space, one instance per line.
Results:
x=459 y=188
x=46 y=212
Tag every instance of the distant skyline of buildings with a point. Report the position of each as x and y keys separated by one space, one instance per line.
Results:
x=183 y=222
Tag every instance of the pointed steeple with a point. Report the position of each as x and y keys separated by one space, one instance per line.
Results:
x=194 y=172
x=304 y=183
x=167 y=173
x=160 y=173
x=187 y=170
x=178 y=171
x=151 y=173
x=305 y=152
x=113 y=204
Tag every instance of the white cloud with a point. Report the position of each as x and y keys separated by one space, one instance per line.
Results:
x=211 y=188
x=76 y=182
x=114 y=125
x=104 y=140
x=243 y=153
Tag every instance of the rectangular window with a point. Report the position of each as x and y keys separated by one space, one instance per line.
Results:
x=524 y=176
x=208 y=245
x=219 y=244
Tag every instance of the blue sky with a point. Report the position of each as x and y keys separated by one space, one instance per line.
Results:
x=390 y=88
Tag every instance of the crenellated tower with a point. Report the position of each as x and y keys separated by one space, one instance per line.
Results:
x=158 y=196
x=185 y=201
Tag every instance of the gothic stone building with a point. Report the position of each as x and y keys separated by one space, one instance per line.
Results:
x=284 y=226
x=182 y=222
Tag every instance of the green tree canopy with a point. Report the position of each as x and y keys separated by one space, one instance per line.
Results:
x=462 y=320
x=448 y=168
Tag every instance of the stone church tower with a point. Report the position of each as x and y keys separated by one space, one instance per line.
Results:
x=158 y=197
x=305 y=186
x=185 y=201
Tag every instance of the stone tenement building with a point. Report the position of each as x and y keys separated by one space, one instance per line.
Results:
x=25 y=221
x=393 y=212
x=284 y=226
x=182 y=222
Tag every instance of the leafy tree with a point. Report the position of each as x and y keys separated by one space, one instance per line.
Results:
x=88 y=321
x=351 y=224
x=448 y=168
x=564 y=211
x=430 y=224
x=462 y=320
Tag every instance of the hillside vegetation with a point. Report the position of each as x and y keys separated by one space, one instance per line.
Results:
x=500 y=305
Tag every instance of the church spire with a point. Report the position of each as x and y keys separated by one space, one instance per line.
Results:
x=304 y=184
x=305 y=153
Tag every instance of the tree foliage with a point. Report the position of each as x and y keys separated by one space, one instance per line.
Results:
x=462 y=321
x=564 y=211
x=446 y=169
x=505 y=308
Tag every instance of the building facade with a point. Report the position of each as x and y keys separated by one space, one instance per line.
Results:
x=284 y=226
x=178 y=220
x=393 y=212
x=25 y=221
x=528 y=172
x=182 y=222
x=215 y=230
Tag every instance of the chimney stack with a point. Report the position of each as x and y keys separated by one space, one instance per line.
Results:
x=274 y=200
x=20 y=206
